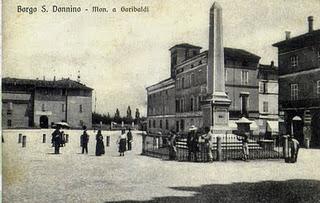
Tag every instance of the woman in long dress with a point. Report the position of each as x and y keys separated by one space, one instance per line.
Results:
x=99 y=145
x=122 y=140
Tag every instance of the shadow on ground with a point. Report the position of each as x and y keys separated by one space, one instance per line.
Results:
x=296 y=190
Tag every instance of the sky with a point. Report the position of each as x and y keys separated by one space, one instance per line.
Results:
x=120 y=54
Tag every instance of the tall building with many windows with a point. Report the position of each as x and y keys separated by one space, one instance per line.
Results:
x=40 y=103
x=299 y=84
x=182 y=93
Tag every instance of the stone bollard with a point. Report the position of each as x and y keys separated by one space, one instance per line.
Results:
x=20 y=138
x=44 y=138
x=219 y=149
x=143 y=143
x=285 y=149
x=108 y=141
x=24 y=141
x=67 y=138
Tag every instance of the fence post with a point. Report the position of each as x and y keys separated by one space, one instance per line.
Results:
x=44 y=138
x=108 y=141
x=143 y=143
x=285 y=148
x=219 y=149
x=24 y=141
x=67 y=138
x=20 y=138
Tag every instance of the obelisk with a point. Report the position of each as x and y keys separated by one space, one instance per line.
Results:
x=216 y=107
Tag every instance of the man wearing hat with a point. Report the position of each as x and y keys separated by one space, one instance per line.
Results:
x=192 y=142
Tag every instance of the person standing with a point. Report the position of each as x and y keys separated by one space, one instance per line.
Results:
x=294 y=148
x=122 y=140
x=192 y=143
x=245 y=146
x=84 y=140
x=173 y=147
x=208 y=137
x=99 y=145
x=56 y=140
x=129 y=139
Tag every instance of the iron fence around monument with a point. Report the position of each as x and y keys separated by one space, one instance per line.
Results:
x=231 y=149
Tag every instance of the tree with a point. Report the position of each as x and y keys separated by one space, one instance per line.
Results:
x=117 y=117
x=128 y=119
x=137 y=116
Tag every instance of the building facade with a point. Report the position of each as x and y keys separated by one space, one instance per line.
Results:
x=299 y=84
x=268 y=99
x=40 y=103
x=188 y=87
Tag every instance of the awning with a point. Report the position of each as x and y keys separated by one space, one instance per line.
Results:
x=273 y=126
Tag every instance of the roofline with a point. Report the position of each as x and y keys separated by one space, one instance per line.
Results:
x=35 y=80
x=277 y=44
x=185 y=45
x=167 y=82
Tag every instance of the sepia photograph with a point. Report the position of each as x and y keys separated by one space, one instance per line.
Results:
x=160 y=101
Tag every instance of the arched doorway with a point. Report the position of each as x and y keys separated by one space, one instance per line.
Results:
x=44 y=122
x=297 y=128
x=315 y=130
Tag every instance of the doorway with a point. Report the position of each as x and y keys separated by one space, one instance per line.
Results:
x=44 y=122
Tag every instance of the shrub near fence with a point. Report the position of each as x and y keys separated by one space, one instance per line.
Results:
x=231 y=149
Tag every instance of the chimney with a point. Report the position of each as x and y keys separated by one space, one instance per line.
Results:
x=54 y=78
x=288 y=35
x=272 y=64
x=310 y=23
x=44 y=77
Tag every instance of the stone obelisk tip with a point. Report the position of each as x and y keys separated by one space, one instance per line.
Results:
x=215 y=5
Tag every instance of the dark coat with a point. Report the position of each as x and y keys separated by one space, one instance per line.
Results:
x=99 y=146
x=56 y=138
x=84 y=138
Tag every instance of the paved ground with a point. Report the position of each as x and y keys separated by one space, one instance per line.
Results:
x=34 y=174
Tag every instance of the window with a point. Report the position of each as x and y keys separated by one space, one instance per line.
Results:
x=177 y=105
x=182 y=105
x=182 y=125
x=10 y=107
x=199 y=103
x=265 y=107
x=62 y=108
x=80 y=108
x=294 y=61
x=319 y=56
x=154 y=123
x=192 y=82
x=160 y=123
x=263 y=87
x=9 y=123
x=294 y=91
x=43 y=107
x=244 y=104
x=244 y=77
x=167 y=124
x=178 y=83
x=149 y=123
x=318 y=87
x=191 y=103
x=182 y=83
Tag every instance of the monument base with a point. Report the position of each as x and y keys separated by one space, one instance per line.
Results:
x=216 y=113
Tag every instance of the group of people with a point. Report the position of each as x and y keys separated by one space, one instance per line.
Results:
x=58 y=140
x=124 y=141
x=192 y=144
x=84 y=140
